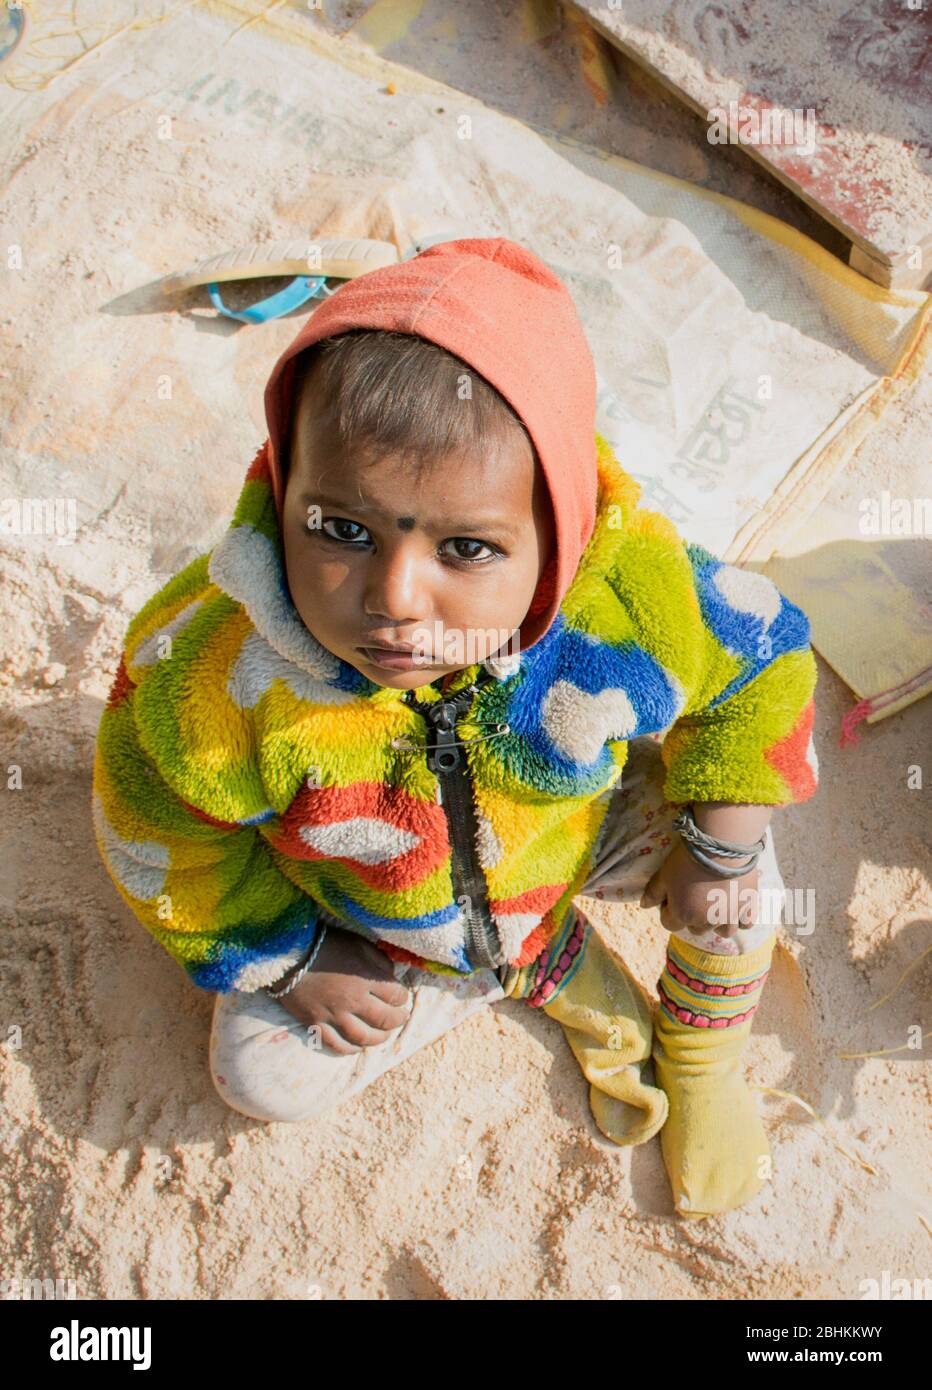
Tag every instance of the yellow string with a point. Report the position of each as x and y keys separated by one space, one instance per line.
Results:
x=253 y=19
x=911 y=966
x=884 y=1052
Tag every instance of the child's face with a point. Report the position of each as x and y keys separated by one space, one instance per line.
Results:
x=447 y=564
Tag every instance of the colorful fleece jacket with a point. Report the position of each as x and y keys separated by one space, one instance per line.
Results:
x=246 y=782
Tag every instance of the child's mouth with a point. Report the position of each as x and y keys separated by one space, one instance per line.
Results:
x=394 y=660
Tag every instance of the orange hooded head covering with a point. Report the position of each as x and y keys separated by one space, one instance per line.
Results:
x=497 y=306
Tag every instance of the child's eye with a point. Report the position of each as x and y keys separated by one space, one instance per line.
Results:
x=341 y=522
x=471 y=557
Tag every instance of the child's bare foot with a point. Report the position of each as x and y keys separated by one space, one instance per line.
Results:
x=351 y=993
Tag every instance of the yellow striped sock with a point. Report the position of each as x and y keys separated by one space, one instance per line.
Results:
x=713 y=1143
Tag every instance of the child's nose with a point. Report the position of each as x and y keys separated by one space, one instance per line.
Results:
x=396 y=588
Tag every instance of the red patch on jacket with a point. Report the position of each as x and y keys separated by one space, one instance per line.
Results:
x=259 y=468
x=122 y=686
x=400 y=954
x=376 y=848
x=539 y=900
x=534 y=942
x=788 y=756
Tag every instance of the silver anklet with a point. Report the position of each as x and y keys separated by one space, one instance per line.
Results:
x=277 y=994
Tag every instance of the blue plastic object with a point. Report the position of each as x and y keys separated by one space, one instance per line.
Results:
x=301 y=289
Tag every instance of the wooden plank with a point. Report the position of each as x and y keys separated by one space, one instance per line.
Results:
x=833 y=100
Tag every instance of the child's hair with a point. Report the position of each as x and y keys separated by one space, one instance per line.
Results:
x=402 y=394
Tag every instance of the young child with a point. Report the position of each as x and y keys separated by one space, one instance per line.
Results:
x=359 y=761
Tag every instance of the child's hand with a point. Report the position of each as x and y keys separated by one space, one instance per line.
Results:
x=350 y=992
x=684 y=890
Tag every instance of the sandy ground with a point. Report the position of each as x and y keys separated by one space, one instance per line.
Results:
x=125 y=1171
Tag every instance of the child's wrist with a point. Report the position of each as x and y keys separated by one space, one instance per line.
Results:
x=732 y=822
x=721 y=857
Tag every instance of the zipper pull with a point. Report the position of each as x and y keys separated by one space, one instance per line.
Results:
x=444 y=753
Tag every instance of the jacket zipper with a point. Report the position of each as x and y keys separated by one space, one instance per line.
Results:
x=446 y=759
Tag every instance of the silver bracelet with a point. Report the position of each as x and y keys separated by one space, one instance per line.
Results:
x=698 y=843
x=277 y=994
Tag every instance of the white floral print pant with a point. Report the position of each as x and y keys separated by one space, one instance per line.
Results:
x=266 y=1064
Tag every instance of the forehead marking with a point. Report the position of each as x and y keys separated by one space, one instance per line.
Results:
x=405 y=523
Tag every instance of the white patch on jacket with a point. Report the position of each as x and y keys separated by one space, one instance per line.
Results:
x=246 y=566
x=514 y=928
x=259 y=973
x=363 y=838
x=579 y=724
x=811 y=758
x=140 y=866
x=258 y=666
x=503 y=667
x=490 y=848
x=749 y=592
x=150 y=651
x=438 y=944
